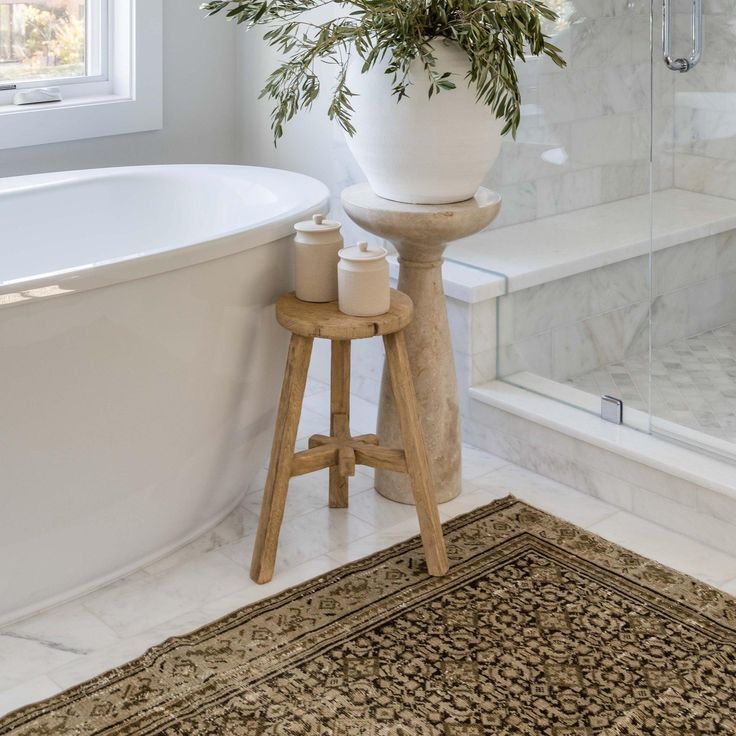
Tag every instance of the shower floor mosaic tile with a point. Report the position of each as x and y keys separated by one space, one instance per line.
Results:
x=54 y=650
x=693 y=382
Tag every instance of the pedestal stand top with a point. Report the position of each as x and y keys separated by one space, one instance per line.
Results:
x=439 y=223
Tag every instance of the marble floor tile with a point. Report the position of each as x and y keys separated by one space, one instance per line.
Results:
x=477 y=462
x=38 y=688
x=380 y=512
x=668 y=547
x=24 y=658
x=204 y=578
x=84 y=668
x=363 y=414
x=472 y=497
x=67 y=628
x=315 y=387
x=317 y=402
x=251 y=592
x=133 y=604
x=311 y=423
x=241 y=521
x=372 y=543
x=547 y=495
x=730 y=587
x=306 y=493
x=304 y=537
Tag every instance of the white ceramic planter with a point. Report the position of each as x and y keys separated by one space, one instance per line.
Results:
x=422 y=150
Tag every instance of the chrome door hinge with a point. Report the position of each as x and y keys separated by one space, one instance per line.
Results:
x=612 y=409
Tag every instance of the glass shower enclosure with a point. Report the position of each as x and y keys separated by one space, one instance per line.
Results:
x=616 y=243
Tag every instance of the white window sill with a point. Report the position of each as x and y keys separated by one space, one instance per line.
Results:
x=76 y=119
x=71 y=102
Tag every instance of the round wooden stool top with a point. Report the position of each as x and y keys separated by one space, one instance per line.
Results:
x=327 y=321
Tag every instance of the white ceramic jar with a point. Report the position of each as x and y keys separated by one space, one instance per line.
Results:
x=317 y=245
x=363 y=281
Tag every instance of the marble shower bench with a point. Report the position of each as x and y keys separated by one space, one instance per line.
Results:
x=576 y=287
x=551 y=248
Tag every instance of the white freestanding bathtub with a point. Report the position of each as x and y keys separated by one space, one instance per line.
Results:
x=139 y=362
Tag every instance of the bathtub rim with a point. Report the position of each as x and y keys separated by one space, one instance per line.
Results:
x=137 y=266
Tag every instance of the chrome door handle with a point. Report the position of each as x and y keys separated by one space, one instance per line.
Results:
x=682 y=64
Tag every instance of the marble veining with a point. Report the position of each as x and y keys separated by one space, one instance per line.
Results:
x=703 y=116
x=571 y=326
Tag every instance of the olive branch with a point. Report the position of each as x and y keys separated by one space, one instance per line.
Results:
x=493 y=33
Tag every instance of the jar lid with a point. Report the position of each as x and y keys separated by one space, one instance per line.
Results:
x=317 y=224
x=362 y=252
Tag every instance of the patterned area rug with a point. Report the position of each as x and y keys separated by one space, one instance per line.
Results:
x=540 y=628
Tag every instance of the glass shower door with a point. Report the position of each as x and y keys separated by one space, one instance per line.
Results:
x=571 y=246
x=693 y=260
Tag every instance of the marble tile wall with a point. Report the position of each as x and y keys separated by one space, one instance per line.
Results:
x=585 y=134
x=570 y=326
x=473 y=330
x=704 y=142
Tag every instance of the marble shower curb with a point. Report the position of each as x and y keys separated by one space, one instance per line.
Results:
x=653 y=478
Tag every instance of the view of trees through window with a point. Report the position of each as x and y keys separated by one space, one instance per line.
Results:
x=42 y=40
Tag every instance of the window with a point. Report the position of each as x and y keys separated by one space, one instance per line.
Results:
x=92 y=50
x=50 y=40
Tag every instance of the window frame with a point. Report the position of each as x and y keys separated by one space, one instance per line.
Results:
x=118 y=100
x=99 y=36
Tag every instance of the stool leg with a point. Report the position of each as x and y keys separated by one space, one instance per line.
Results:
x=415 y=450
x=282 y=452
x=339 y=417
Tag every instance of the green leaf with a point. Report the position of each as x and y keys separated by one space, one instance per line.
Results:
x=495 y=35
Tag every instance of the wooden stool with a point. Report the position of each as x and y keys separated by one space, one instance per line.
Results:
x=340 y=451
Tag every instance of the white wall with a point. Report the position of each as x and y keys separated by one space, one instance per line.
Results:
x=199 y=106
x=311 y=144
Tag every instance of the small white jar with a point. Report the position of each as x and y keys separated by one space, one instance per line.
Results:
x=363 y=281
x=317 y=244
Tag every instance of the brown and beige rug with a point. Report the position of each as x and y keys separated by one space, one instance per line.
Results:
x=540 y=628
